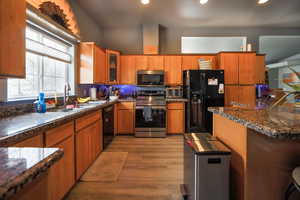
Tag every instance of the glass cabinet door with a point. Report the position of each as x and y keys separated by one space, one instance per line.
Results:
x=113 y=65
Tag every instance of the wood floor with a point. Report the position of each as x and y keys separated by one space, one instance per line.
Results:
x=153 y=170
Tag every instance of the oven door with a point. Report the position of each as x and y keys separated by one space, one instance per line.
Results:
x=151 y=121
x=150 y=78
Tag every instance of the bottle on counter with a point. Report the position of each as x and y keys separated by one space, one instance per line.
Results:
x=40 y=105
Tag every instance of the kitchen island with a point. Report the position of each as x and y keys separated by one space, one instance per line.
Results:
x=265 y=149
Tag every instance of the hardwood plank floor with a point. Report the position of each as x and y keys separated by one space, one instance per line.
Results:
x=153 y=170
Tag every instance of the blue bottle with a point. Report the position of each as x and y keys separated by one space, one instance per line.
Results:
x=41 y=105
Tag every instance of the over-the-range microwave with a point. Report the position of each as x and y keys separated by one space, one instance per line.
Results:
x=151 y=78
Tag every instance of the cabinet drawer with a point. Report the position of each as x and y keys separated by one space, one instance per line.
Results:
x=87 y=120
x=126 y=106
x=175 y=106
x=36 y=141
x=56 y=135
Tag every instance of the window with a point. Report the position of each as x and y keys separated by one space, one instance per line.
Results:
x=212 y=44
x=49 y=65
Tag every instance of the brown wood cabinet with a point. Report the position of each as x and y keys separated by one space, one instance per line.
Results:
x=176 y=118
x=247 y=95
x=92 y=64
x=261 y=69
x=62 y=174
x=12 y=38
x=247 y=68
x=127 y=70
x=231 y=94
x=229 y=62
x=113 y=66
x=149 y=63
x=89 y=141
x=141 y=63
x=125 y=118
x=191 y=62
x=173 y=70
x=36 y=141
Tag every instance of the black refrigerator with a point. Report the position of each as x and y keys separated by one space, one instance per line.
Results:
x=203 y=89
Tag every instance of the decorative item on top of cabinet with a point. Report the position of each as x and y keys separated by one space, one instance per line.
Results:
x=125 y=118
x=92 y=64
x=191 y=62
x=173 y=70
x=61 y=176
x=12 y=38
x=127 y=70
x=113 y=65
x=176 y=118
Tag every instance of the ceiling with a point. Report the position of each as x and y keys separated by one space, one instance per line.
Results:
x=190 y=13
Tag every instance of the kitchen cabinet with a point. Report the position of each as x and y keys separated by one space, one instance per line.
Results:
x=61 y=176
x=36 y=141
x=176 y=118
x=229 y=62
x=113 y=65
x=127 y=70
x=12 y=38
x=191 y=62
x=173 y=70
x=247 y=68
x=247 y=95
x=89 y=141
x=92 y=68
x=261 y=69
x=149 y=63
x=231 y=94
x=125 y=118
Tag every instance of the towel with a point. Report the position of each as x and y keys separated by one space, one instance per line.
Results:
x=147 y=113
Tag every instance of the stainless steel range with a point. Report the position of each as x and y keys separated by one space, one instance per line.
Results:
x=151 y=112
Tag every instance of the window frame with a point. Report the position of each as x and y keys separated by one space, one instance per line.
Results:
x=71 y=69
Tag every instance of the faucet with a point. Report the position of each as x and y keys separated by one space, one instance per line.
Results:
x=67 y=90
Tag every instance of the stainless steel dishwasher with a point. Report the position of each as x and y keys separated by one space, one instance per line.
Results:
x=108 y=125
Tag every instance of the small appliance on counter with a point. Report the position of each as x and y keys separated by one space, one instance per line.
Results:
x=174 y=92
x=203 y=89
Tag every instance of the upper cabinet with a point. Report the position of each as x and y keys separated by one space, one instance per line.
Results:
x=127 y=70
x=173 y=70
x=113 y=65
x=149 y=63
x=242 y=68
x=192 y=62
x=12 y=38
x=92 y=64
x=261 y=69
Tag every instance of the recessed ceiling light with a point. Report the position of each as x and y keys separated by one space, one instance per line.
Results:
x=262 y=1
x=203 y=1
x=145 y=2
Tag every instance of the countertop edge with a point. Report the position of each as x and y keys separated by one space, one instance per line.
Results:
x=18 y=183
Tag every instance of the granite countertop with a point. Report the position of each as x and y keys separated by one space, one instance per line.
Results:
x=278 y=123
x=20 y=166
x=17 y=128
x=177 y=100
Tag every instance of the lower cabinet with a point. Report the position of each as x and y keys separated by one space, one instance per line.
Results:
x=176 y=118
x=125 y=118
x=89 y=143
x=36 y=141
x=242 y=94
x=61 y=176
x=231 y=94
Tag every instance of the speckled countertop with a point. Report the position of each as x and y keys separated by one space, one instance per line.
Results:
x=17 y=128
x=20 y=166
x=177 y=100
x=278 y=123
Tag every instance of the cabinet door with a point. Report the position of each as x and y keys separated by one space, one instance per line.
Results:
x=113 y=66
x=100 y=66
x=176 y=122
x=127 y=70
x=231 y=94
x=62 y=174
x=86 y=68
x=247 y=68
x=192 y=62
x=96 y=140
x=141 y=63
x=155 y=62
x=247 y=95
x=125 y=122
x=36 y=141
x=173 y=70
x=12 y=38
x=260 y=69
x=230 y=64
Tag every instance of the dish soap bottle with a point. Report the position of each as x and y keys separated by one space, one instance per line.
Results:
x=41 y=105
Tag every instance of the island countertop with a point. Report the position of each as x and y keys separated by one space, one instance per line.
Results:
x=279 y=123
x=17 y=128
x=21 y=166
